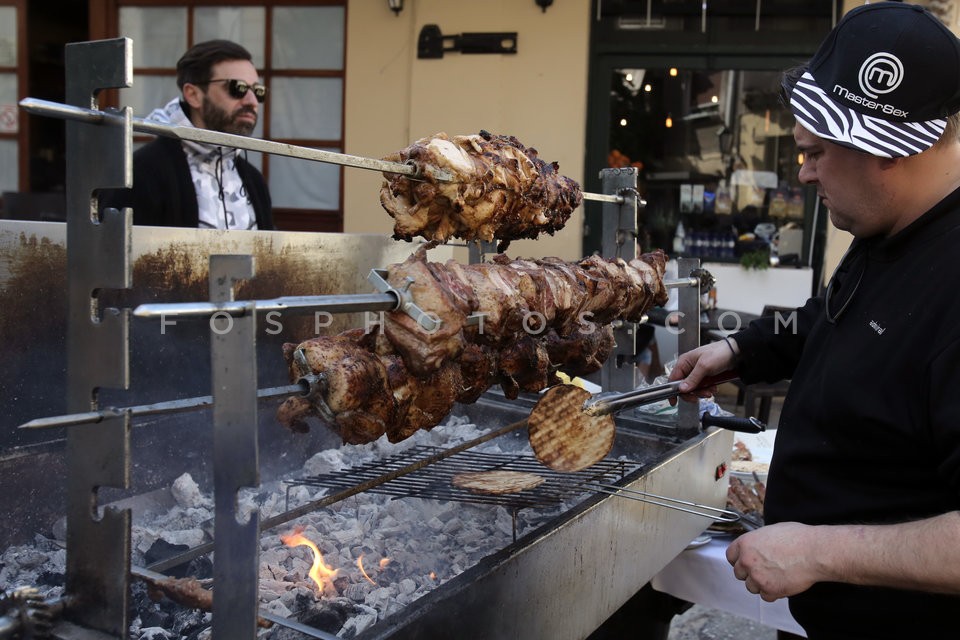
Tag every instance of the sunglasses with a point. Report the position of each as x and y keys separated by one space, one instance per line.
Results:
x=238 y=88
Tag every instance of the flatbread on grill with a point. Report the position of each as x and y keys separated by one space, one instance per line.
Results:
x=496 y=482
x=565 y=438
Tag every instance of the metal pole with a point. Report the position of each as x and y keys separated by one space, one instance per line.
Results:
x=94 y=116
x=98 y=257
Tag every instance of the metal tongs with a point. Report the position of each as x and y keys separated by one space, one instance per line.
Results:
x=697 y=509
x=603 y=404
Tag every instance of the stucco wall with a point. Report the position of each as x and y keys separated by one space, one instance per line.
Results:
x=537 y=95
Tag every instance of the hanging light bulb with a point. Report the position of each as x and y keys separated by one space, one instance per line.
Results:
x=647 y=88
x=623 y=122
x=673 y=72
x=669 y=122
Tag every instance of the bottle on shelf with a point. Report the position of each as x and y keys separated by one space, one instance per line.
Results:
x=724 y=202
x=679 y=239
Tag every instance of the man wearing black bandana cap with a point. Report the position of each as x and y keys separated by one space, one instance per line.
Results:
x=863 y=497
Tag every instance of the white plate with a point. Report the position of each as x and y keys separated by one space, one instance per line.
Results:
x=699 y=541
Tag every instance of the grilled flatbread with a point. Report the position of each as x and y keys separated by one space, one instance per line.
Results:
x=496 y=482
x=563 y=437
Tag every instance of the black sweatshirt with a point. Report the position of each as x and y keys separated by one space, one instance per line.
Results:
x=870 y=428
x=163 y=194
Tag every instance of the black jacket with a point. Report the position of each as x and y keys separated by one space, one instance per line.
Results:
x=870 y=428
x=163 y=194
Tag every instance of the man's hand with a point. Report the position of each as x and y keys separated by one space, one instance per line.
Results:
x=693 y=366
x=776 y=561
x=785 y=559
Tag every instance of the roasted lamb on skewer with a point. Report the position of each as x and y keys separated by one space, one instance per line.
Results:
x=402 y=378
x=477 y=187
x=516 y=297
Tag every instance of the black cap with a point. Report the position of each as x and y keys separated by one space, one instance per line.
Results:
x=883 y=81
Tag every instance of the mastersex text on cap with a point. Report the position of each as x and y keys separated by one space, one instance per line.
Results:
x=883 y=81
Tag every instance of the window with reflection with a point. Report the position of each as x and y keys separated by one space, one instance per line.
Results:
x=9 y=114
x=299 y=52
x=717 y=162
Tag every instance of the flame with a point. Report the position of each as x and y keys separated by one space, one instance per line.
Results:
x=360 y=564
x=384 y=562
x=319 y=571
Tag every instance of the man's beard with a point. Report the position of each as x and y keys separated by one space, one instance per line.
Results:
x=217 y=119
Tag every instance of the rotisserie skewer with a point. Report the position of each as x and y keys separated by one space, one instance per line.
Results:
x=72 y=112
x=404 y=378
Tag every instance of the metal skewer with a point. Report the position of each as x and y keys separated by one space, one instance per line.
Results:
x=304 y=386
x=93 y=116
x=346 y=303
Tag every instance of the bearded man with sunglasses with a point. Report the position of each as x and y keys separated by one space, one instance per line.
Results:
x=191 y=184
x=863 y=496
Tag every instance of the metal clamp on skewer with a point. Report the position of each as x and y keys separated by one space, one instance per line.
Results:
x=699 y=278
x=405 y=303
x=316 y=385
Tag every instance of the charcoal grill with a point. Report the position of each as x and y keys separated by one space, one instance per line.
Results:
x=561 y=580
x=434 y=481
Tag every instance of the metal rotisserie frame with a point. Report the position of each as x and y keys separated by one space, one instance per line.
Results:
x=559 y=581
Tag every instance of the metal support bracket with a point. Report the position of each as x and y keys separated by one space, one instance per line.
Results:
x=432 y=44
x=236 y=465
x=688 y=413
x=619 y=233
x=98 y=547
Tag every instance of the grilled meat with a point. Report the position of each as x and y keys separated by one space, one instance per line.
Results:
x=540 y=316
x=498 y=189
x=514 y=298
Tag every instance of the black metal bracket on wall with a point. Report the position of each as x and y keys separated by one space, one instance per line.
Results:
x=432 y=44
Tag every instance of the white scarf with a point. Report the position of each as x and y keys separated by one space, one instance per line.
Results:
x=222 y=200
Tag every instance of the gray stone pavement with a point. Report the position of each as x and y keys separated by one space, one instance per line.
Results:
x=701 y=623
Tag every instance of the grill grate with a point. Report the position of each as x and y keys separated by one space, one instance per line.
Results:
x=433 y=481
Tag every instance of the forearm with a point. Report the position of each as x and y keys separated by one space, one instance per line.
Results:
x=788 y=558
x=923 y=555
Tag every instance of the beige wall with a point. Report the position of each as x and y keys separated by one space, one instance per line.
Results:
x=537 y=95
